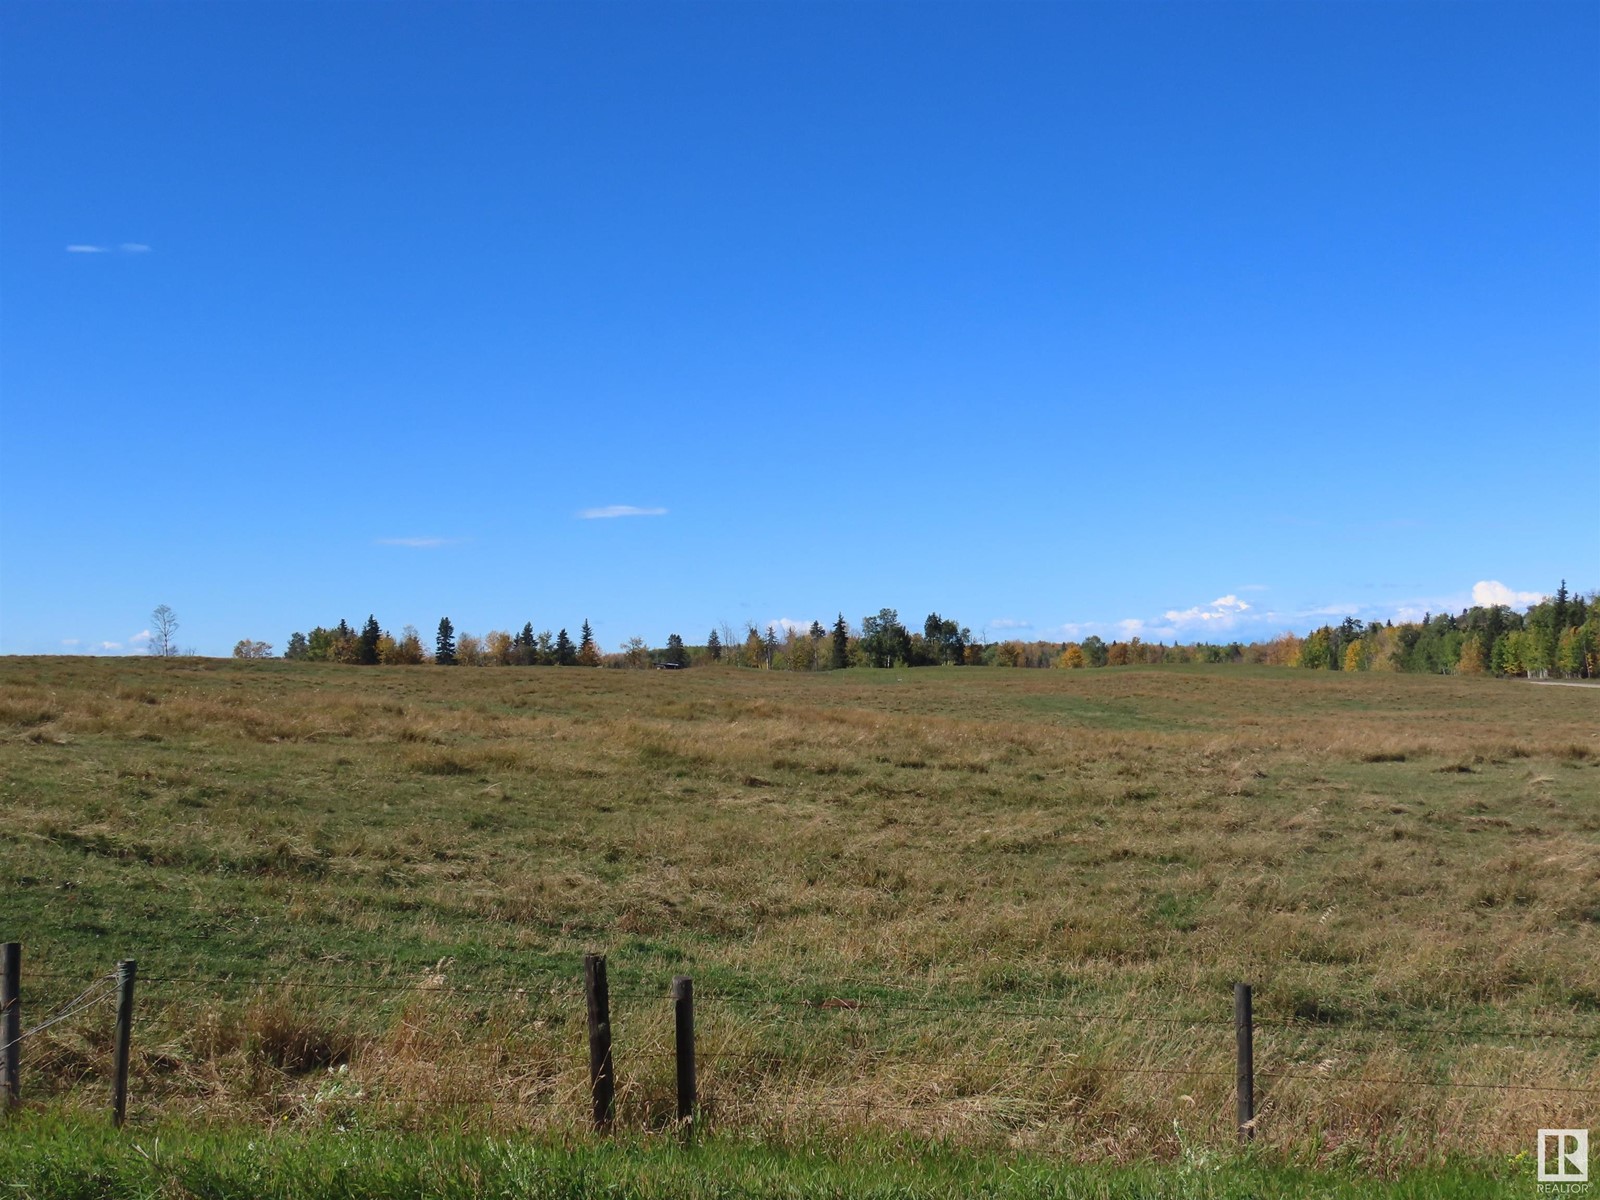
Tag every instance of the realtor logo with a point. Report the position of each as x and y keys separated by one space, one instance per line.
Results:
x=1563 y=1156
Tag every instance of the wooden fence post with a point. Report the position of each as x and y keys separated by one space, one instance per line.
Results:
x=1245 y=1067
x=11 y=1026
x=126 y=971
x=602 y=1073
x=683 y=1021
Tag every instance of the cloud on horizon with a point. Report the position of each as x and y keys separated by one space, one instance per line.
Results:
x=81 y=248
x=1489 y=592
x=608 y=511
x=1221 y=613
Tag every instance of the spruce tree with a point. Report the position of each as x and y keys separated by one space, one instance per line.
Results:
x=367 y=648
x=566 y=654
x=714 y=647
x=526 y=644
x=841 y=644
x=676 y=654
x=588 y=652
x=444 y=646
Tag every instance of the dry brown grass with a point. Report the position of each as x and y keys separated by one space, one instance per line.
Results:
x=1007 y=868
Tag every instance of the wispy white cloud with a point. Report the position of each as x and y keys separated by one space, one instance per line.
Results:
x=416 y=543
x=1488 y=592
x=108 y=645
x=82 y=248
x=134 y=248
x=144 y=635
x=789 y=624
x=69 y=641
x=1221 y=613
x=618 y=510
x=1009 y=623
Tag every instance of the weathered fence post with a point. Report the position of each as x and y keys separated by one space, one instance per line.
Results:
x=126 y=970
x=1245 y=1069
x=11 y=1026
x=683 y=1021
x=602 y=1073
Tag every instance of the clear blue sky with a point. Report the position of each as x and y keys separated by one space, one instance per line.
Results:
x=1045 y=316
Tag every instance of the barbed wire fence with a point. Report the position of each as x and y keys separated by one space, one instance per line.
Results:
x=659 y=1038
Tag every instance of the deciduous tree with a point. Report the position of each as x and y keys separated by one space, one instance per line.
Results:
x=499 y=649
x=163 y=632
x=408 y=650
x=635 y=654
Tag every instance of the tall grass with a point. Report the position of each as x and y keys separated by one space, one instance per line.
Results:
x=998 y=908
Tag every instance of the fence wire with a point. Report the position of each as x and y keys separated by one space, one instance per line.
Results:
x=568 y=990
x=101 y=989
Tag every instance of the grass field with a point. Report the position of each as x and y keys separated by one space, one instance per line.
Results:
x=997 y=909
x=64 y=1161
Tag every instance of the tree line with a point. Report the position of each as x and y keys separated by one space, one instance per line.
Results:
x=1560 y=635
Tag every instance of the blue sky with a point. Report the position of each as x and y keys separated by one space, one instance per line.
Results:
x=1214 y=318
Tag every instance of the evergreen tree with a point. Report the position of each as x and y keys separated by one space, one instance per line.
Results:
x=524 y=647
x=714 y=647
x=771 y=645
x=588 y=652
x=444 y=646
x=566 y=653
x=676 y=654
x=367 y=646
x=816 y=633
x=841 y=644
x=298 y=648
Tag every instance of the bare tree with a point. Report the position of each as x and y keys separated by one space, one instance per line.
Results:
x=163 y=625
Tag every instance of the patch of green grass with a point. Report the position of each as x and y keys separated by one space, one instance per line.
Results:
x=61 y=1161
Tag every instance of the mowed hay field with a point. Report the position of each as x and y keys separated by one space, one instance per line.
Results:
x=1000 y=907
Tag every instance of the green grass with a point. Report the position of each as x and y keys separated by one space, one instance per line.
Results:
x=1041 y=885
x=61 y=1161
